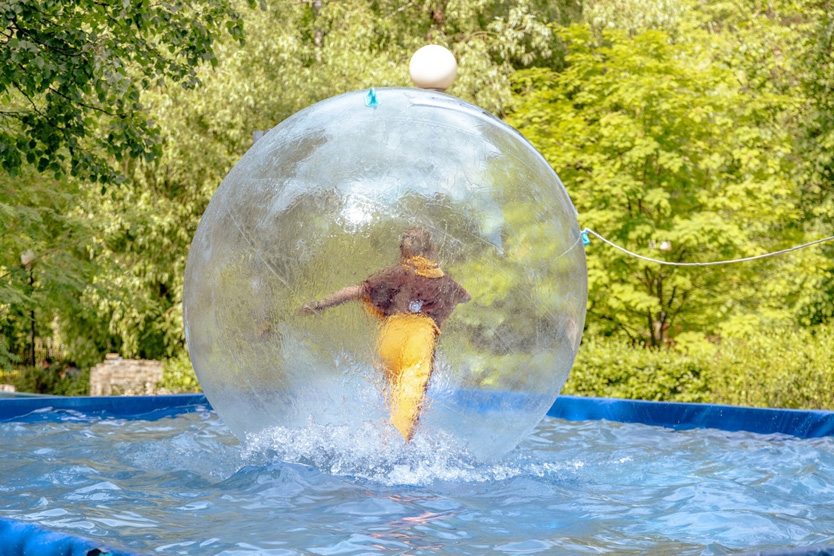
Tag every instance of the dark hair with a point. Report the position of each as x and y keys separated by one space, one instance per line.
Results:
x=417 y=241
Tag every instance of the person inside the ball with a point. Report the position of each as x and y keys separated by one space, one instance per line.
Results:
x=412 y=300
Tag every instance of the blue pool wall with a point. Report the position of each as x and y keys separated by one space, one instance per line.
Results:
x=23 y=538
x=794 y=422
x=18 y=538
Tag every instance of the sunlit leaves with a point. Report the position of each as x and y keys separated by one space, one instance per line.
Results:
x=72 y=75
x=667 y=152
x=73 y=121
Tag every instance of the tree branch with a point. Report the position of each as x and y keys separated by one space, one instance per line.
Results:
x=34 y=39
x=85 y=105
x=616 y=322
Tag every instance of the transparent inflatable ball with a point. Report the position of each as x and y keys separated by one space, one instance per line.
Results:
x=397 y=261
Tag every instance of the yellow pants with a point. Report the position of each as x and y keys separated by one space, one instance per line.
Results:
x=405 y=347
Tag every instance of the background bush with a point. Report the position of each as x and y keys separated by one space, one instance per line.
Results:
x=48 y=380
x=178 y=376
x=786 y=368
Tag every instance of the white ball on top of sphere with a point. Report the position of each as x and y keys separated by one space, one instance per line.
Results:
x=433 y=67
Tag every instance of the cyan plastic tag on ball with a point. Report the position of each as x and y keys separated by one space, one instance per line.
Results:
x=370 y=100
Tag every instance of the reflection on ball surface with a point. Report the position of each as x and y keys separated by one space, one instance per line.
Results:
x=416 y=265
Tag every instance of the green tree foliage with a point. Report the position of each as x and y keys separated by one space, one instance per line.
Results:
x=704 y=127
x=131 y=254
x=680 y=149
x=816 y=139
x=784 y=47
x=295 y=55
x=44 y=261
x=633 y=16
x=72 y=75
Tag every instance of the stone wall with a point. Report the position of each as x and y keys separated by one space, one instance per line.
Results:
x=125 y=377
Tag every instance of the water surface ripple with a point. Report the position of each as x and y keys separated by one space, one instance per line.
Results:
x=185 y=485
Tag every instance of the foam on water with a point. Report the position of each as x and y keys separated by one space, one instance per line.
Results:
x=185 y=485
x=385 y=458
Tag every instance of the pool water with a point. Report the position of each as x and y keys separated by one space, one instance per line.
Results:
x=185 y=485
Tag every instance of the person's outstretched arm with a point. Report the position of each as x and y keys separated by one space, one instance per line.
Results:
x=345 y=294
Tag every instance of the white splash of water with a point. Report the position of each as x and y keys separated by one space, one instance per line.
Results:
x=376 y=452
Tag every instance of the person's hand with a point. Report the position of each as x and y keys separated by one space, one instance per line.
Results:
x=310 y=309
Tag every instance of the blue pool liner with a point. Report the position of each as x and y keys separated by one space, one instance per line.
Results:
x=800 y=423
x=52 y=408
x=23 y=538
x=18 y=538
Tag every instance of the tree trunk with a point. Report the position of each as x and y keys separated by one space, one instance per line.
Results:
x=32 y=320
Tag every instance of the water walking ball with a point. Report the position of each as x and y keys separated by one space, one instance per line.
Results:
x=358 y=183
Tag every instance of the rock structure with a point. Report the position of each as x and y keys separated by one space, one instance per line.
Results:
x=125 y=377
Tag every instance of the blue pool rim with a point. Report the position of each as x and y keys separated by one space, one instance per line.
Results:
x=18 y=537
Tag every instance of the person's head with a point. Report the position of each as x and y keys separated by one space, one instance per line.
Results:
x=417 y=242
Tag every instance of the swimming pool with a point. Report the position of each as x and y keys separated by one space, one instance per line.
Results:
x=163 y=475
